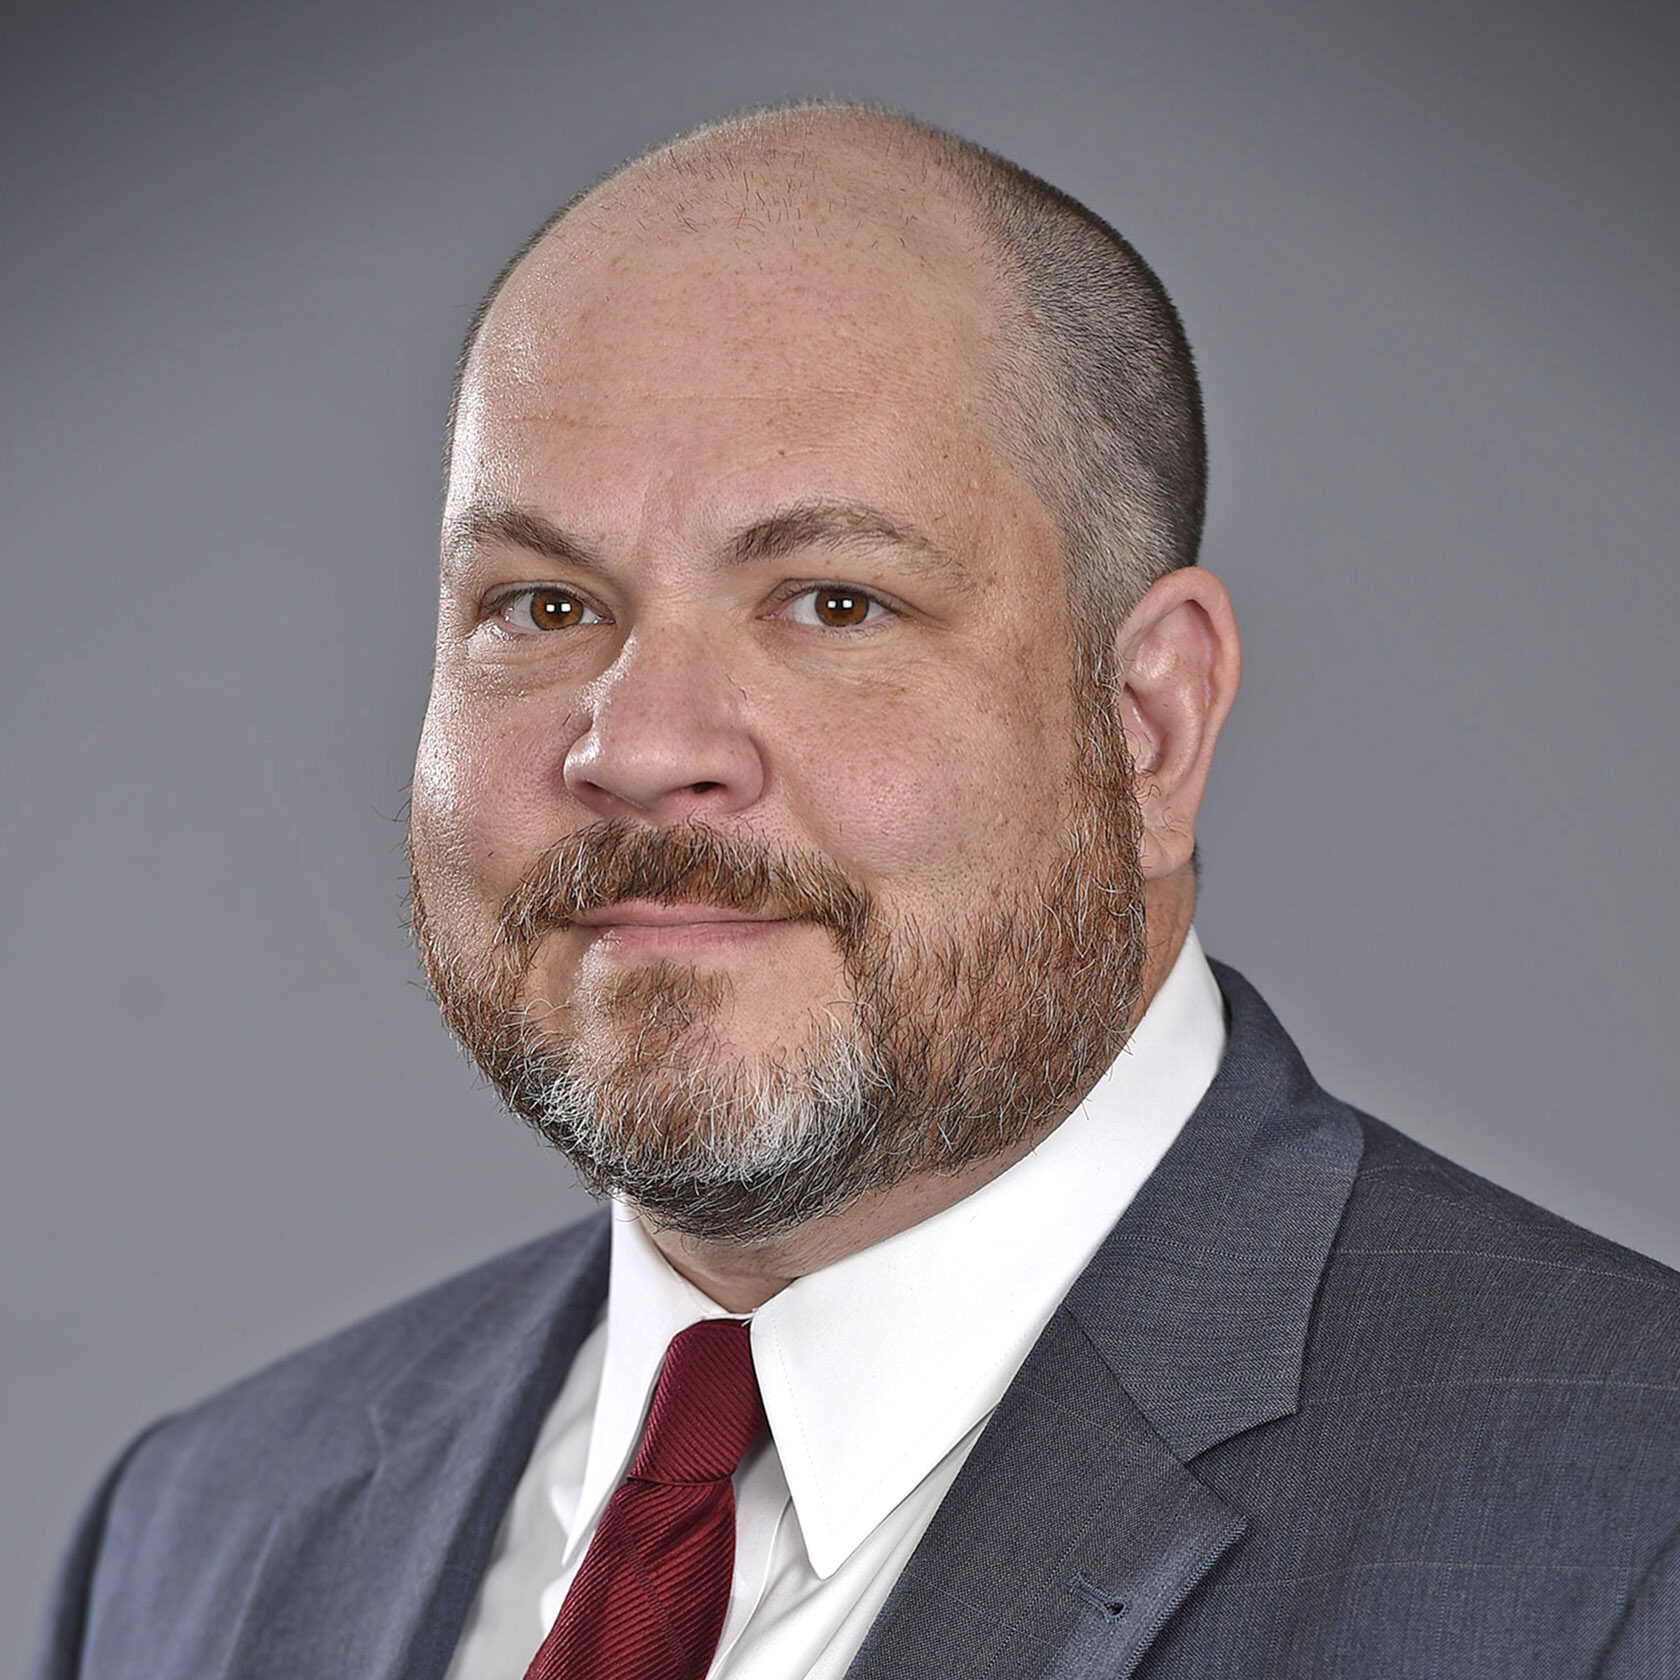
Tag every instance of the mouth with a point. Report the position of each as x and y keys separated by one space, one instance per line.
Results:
x=643 y=927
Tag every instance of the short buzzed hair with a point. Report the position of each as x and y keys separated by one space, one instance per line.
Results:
x=1095 y=387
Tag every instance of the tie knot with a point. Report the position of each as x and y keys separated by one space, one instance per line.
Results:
x=706 y=1408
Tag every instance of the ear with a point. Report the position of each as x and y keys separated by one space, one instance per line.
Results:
x=1179 y=663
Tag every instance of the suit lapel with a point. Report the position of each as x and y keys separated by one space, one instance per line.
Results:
x=372 y=1572
x=1068 y=1538
x=1076 y=1528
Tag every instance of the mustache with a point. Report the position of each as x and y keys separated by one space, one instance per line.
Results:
x=611 y=862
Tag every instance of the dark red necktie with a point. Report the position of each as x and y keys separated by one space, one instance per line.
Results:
x=649 y=1601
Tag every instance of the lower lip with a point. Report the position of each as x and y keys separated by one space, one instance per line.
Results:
x=672 y=938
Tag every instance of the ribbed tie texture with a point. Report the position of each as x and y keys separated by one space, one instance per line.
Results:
x=649 y=1600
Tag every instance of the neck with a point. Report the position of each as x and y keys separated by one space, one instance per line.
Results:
x=741 y=1276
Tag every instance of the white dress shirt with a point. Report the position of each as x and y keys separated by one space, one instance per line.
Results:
x=878 y=1374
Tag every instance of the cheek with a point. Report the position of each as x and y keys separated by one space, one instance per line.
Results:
x=943 y=793
x=484 y=800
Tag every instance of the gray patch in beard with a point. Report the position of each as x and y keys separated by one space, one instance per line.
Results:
x=713 y=1151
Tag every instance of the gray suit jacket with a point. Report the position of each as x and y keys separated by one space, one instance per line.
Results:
x=1324 y=1405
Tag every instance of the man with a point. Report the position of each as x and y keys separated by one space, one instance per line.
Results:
x=803 y=840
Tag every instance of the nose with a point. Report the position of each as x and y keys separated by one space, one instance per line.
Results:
x=666 y=736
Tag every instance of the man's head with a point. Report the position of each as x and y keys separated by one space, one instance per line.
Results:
x=774 y=839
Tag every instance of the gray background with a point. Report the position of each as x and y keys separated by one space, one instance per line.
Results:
x=1427 y=253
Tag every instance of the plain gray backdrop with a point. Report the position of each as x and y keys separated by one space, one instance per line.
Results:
x=1427 y=253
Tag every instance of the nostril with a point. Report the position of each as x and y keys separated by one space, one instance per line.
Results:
x=705 y=787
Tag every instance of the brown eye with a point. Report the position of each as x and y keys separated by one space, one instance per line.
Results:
x=840 y=609
x=551 y=610
x=546 y=608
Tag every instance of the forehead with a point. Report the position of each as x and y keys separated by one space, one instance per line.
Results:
x=670 y=338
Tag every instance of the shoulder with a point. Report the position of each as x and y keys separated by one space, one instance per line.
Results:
x=1510 y=1380
x=1427 y=1265
x=1484 y=1442
x=312 y=1400
x=190 y=1516
x=1427 y=1248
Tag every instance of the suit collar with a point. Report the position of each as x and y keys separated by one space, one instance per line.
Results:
x=1069 y=1537
x=1076 y=1528
x=543 y=1300
x=1200 y=1299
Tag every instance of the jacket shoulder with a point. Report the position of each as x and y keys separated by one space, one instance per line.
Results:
x=1490 y=1345
x=315 y=1410
x=350 y=1366
x=189 y=1516
x=1466 y=1254
x=1481 y=1473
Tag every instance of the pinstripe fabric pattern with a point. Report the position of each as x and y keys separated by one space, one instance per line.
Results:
x=649 y=1601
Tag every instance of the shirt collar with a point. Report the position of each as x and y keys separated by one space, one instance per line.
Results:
x=875 y=1367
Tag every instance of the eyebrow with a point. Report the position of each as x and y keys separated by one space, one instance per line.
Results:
x=830 y=524
x=496 y=522
x=835 y=526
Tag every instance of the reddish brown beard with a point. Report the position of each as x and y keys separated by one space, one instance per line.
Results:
x=964 y=1042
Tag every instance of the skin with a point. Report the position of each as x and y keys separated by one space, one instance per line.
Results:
x=702 y=421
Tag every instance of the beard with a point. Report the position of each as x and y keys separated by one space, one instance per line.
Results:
x=958 y=1042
